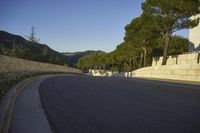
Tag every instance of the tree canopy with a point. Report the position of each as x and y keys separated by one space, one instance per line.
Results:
x=149 y=35
x=170 y=16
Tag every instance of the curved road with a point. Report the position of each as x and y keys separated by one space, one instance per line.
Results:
x=83 y=104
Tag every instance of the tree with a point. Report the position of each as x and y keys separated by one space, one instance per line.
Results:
x=14 y=48
x=94 y=61
x=140 y=32
x=170 y=16
x=125 y=57
x=179 y=45
x=32 y=38
x=45 y=51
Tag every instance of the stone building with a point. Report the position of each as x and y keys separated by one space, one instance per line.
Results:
x=194 y=37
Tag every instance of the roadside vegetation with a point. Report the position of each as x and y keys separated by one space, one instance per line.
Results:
x=8 y=79
x=148 y=36
x=128 y=58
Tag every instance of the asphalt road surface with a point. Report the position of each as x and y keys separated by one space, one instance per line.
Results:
x=83 y=104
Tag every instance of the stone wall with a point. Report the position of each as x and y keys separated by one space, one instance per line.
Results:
x=183 y=67
x=16 y=64
x=189 y=58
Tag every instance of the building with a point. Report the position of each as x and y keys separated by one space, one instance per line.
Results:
x=97 y=72
x=194 y=37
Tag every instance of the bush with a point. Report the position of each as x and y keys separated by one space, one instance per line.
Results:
x=8 y=79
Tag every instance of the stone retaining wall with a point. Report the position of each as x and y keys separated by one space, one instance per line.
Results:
x=190 y=58
x=186 y=68
x=16 y=64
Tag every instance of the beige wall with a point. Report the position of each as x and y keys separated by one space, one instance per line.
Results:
x=16 y=64
x=175 y=72
x=194 y=37
x=190 y=58
x=187 y=68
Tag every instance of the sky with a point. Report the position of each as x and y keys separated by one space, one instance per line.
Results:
x=72 y=25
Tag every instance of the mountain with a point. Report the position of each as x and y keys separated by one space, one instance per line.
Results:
x=73 y=57
x=17 y=46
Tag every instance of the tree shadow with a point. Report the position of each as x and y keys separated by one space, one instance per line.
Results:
x=191 y=47
x=175 y=56
x=197 y=48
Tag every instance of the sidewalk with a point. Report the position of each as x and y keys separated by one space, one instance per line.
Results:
x=28 y=115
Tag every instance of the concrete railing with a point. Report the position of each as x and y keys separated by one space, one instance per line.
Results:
x=189 y=58
x=11 y=64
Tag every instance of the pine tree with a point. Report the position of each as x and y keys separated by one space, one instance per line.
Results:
x=170 y=16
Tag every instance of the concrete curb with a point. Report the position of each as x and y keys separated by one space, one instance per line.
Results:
x=7 y=114
x=171 y=81
x=5 y=119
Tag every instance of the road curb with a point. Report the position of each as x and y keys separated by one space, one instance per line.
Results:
x=171 y=81
x=7 y=114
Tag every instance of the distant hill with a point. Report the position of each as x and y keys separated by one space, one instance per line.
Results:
x=73 y=57
x=17 y=46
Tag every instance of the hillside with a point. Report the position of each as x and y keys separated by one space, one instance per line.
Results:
x=17 y=46
x=73 y=57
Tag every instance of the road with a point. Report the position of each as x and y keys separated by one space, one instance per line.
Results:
x=83 y=104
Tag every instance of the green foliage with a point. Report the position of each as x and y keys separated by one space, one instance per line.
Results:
x=170 y=16
x=115 y=61
x=8 y=79
x=141 y=33
x=92 y=61
x=179 y=45
x=71 y=58
x=127 y=57
x=150 y=35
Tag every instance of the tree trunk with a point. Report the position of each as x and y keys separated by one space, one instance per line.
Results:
x=141 y=59
x=119 y=68
x=166 y=48
x=122 y=67
x=112 y=68
x=131 y=65
x=145 y=56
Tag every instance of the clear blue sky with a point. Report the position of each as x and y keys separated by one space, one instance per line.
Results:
x=71 y=25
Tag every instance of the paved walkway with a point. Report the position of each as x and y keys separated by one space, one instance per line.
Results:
x=28 y=114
